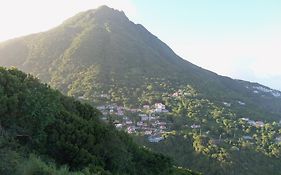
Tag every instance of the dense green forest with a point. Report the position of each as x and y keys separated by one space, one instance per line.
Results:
x=44 y=132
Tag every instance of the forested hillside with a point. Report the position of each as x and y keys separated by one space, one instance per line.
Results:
x=44 y=132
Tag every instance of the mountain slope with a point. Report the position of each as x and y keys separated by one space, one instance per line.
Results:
x=100 y=50
x=35 y=119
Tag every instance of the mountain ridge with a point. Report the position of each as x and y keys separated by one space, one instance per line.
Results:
x=210 y=123
x=104 y=44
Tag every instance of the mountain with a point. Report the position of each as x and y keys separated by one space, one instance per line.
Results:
x=36 y=121
x=207 y=122
x=99 y=50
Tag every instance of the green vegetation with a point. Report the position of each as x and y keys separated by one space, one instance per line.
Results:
x=213 y=139
x=44 y=132
x=102 y=58
x=100 y=51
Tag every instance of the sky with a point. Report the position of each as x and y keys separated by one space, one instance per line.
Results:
x=236 y=38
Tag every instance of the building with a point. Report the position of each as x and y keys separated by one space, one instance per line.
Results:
x=160 y=106
x=259 y=124
x=278 y=139
x=139 y=123
x=129 y=122
x=226 y=104
x=155 y=139
x=194 y=126
x=245 y=119
x=241 y=103
x=119 y=126
x=146 y=106
x=144 y=118
x=247 y=137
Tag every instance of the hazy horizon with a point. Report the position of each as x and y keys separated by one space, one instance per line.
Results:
x=237 y=39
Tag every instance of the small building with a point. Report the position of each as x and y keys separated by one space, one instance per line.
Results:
x=155 y=139
x=194 y=126
x=148 y=132
x=125 y=118
x=158 y=110
x=134 y=110
x=142 y=115
x=146 y=106
x=144 y=118
x=176 y=94
x=159 y=107
x=259 y=124
x=251 y=122
x=278 y=139
x=120 y=113
x=241 y=103
x=116 y=122
x=131 y=130
x=245 y=119
x=129 y=122
x=139 y=123
x=101 y=107
x=226 y=104
x=119 y=126
x=247 y=137
x=104 y=96
x=161 y=123
x=82 y=98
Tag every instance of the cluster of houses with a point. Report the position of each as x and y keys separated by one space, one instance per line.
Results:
x=229 y=104
x=257 y=124
x=145 y=121
x=274 y=93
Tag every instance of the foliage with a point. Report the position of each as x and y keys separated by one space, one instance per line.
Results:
x=37 y=119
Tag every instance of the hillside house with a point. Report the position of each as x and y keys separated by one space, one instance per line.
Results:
x=155 y=139
x=194 y=126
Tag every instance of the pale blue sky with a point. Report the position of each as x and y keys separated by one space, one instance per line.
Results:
x=237 y=38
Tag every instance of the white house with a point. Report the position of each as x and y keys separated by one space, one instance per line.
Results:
x=129 y=122
x=159 y=107
x=226 y=104
x=144 y=118
x=118 y=126
x=245 y=119
x=259 y=124
x=194 y=126
x=146 y=106
x=155 y=139
x=241 y=103
x=139 y=123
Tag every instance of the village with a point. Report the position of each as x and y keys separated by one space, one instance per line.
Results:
x=150 y=120
x=145 y=121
